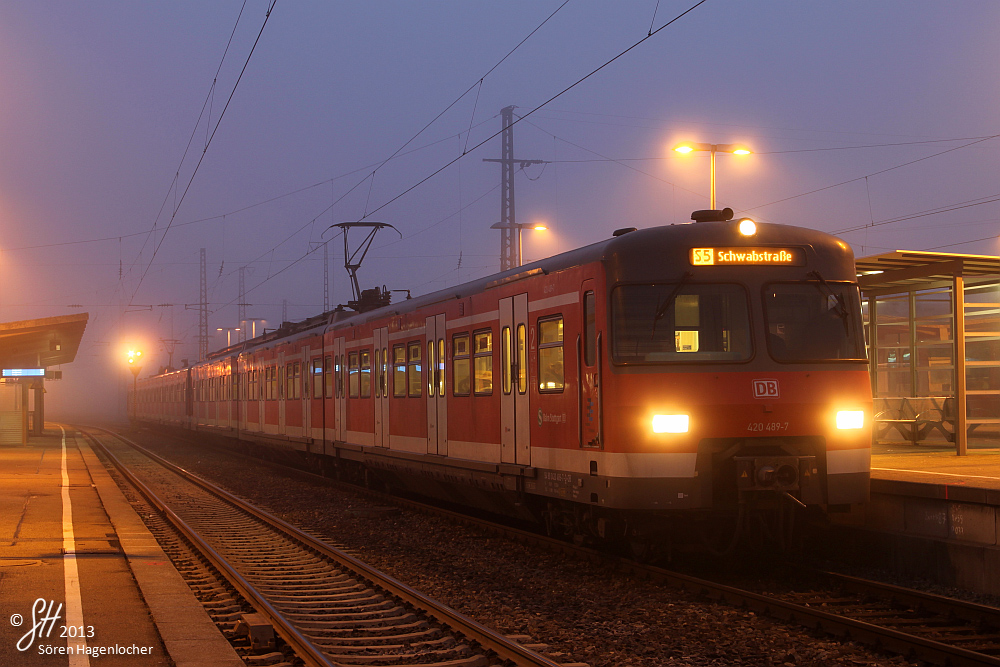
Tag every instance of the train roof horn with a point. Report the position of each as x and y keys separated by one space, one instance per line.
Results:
x=712 y=215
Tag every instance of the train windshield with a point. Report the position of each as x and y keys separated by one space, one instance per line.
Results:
x=815 y=321
x=679 y=323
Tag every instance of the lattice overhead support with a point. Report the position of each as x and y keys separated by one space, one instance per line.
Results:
x=203 y=311
x=243 y=306
x=510 y=230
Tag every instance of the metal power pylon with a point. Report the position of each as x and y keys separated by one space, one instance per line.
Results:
x=203 y=312
x=243 y=306
x=510 y=230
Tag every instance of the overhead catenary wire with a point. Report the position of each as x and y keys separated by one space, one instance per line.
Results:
x=543 y=104
x=874 y=173
x=204 y=152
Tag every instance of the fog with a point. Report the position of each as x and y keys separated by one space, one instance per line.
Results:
x=873 y=120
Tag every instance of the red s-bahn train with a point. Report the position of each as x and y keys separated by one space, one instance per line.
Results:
x=660 y=377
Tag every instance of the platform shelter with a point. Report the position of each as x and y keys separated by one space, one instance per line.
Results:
x=27 y=346
x=932 y=324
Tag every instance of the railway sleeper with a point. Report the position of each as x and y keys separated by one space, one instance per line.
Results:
x=320 y=604
x=336 y=582
x=405 y=625
x=330 y=574
x=441 y=643
x=353 y=612
x=444 y=657
x=423 y=635
x=360 y=591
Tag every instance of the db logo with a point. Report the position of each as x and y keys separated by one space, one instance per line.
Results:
x=765 y=389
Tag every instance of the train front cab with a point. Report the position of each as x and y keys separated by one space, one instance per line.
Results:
x=737 y=374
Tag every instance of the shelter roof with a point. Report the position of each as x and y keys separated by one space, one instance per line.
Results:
x=43 y=342
x=903 y=270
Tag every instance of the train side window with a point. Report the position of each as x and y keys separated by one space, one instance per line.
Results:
x=366 y=373
x=328 y=376
x=460 y=365
x=342 y=375
x=483 y=362
x=353 y=379
x=550 y=355
x=338 y=385
x=522 y=359
x=431 y=365
x=589 y=329
x=292 y=373
x=413 y=369
x=385 y=372
x=440 y=367
x=399 y=371
x=317 y=377
x=506 y=360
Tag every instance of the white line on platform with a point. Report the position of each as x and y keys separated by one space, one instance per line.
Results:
x=925 y=472
x=74 y=601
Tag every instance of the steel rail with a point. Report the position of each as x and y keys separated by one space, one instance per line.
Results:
x=871 y=634
x=488 y=639
x=305 y=649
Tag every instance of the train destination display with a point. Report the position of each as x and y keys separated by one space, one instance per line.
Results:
x=747 y=256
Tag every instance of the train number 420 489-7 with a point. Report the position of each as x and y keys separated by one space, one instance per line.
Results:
x=767 y=426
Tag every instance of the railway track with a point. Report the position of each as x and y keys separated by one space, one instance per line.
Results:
x=328 y=606
x=912 y=623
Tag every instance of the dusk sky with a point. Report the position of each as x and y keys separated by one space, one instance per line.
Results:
x=872 y=120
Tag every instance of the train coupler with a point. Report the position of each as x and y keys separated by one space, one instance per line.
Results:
x=783 y=474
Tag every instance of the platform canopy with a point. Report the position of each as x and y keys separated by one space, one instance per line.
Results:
x=901 y=270
x=41 y=343
x=933 y=329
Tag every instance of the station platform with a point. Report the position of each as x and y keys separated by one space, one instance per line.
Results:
x=75 y=559
x=935 y=462
x=932 y=515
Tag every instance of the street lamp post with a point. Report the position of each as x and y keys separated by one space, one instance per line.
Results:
x=229 y=334
x=519 y=227
x=135 y=365
x=253 y=324
x=712 y=149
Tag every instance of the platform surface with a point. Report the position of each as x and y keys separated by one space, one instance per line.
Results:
x=73 y=549
x=936 y=463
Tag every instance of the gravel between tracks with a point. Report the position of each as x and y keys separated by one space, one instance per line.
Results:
x=587 y=612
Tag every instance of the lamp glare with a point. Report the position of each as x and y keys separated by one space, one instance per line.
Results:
x=671 y=423
x=748 y=227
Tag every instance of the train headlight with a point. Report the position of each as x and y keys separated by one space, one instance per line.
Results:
x=848 y=419
x=671 y=423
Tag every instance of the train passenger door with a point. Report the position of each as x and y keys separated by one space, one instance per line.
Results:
x=589 y=353
x=437 y=397
x=339 y=390
x=305 y=392
x=515 y=429
x=381 y=388
x=282 y=391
